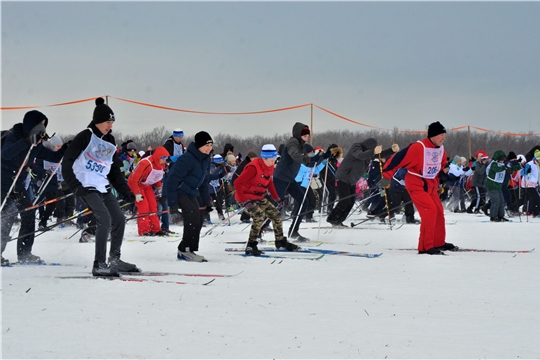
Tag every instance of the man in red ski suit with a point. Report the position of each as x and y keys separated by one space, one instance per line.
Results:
x=424 y=160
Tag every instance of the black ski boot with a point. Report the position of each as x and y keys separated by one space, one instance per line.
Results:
x=296 y=236
x=122 y=266
x=30 y=259
x=103 y=269
x=252 y=249
x=284 y=244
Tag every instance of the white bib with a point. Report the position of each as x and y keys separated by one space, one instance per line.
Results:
x=47 y=165
x=94 y=164
x=154 y=176
x=432 y=162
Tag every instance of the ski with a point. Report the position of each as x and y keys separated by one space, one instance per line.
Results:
x=279 y=256
x=129 y=279
x=477 y=250
x=162 y=273
x=311 y=250
x=18 y=264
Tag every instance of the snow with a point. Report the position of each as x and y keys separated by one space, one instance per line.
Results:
x=400 y=305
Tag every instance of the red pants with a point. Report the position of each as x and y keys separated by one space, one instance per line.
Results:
x=432 y=226
x=148 y=223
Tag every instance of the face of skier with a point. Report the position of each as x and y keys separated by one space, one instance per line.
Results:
x=105 y=127
x=205 y=149
x=438 y=140
x=269 y=161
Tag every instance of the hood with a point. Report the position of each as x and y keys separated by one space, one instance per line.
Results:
x=297 y=130
x=228 y=147
x=498 y=154
x=369 y=144
x=33 y=118
x=157 y=154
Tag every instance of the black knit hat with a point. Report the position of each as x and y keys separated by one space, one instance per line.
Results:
x=202 y=138
x=435 y=129
x=102 y=112
x=511 y=156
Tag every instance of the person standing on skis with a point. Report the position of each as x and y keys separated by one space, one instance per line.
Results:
x=424 y=160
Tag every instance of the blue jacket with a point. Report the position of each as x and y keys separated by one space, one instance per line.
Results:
x=189 y=176
x=14 y=152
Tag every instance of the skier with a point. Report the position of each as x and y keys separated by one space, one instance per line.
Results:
x=22 y=144
x=424 y=160
x=187 y=188
x=147 y=175
x=91 y=167
x=251 y=187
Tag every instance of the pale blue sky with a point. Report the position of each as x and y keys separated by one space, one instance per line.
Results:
x=388 y=64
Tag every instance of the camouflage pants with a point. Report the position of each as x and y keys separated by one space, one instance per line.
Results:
x=261 y=210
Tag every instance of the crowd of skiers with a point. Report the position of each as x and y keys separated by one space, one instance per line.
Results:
x=91 y=181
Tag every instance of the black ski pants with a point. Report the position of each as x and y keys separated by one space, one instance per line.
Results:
x=109 y=219
x=193 y=221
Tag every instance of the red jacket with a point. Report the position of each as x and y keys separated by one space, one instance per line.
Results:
x=254 y=181
x=143 y=169
x=412 y=158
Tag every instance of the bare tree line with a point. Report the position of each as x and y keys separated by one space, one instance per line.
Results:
x=457 y=142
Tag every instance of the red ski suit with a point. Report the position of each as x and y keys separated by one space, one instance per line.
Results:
x=423 y=191
x=136 y=180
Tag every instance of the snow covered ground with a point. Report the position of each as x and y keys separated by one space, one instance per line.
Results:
x=400 y=305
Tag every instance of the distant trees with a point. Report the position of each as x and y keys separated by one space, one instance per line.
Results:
x=456 y=141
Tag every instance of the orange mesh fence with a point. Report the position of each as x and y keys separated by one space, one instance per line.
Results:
x=42 y=106
x=211 y=112
x=260 y=112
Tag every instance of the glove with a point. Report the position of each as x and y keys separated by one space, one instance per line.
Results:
x=138 y=197
x=163 y=200
x=34 y=138
x=248 y=205
x=80 y=191
x=384 y=182
x=466 y=168
x=327 y=154
x=377 y=150
x=280 y=203
x=129 y=197
x=174 y=210
x=395 y=147
x=209 y=208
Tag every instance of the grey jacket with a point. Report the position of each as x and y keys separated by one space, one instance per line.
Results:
x=356 y=162
x=479 y=177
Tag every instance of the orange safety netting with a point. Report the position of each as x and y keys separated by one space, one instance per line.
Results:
x=210 y=112
x=42 y=106
x=261 y=112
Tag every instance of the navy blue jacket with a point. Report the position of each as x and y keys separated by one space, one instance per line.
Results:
x=13 y=153
x=189 y=176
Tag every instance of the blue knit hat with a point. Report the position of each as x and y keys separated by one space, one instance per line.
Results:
x=178 y=132
x=269 y=152
x=218 y=159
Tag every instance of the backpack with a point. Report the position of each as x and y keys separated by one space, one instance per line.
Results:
x=5 y=134
x=468 y=183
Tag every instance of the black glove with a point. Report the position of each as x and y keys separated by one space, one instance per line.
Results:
x=466 y=168
x=129 y=197
x=174 y=210
x=327 y=154
x=209 y=208
x=163 y=200
x=80 y=191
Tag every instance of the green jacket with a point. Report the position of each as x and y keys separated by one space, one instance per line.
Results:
x=496 y=171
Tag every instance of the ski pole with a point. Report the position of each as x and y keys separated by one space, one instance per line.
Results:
x=382 y=213
x=302 y=203
x=39 y=205
x=17 y=177
x=235 y=212
x=44 y=185
x=384 y=190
